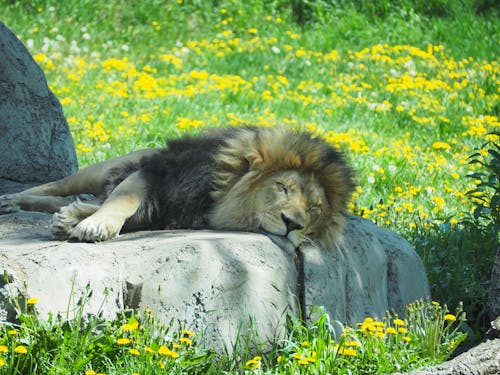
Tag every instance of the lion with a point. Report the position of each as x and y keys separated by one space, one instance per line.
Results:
x=272 y=180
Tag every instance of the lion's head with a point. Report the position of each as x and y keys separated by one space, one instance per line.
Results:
x=283 y=182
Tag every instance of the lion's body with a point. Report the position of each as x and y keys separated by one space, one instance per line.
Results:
x=270 y=180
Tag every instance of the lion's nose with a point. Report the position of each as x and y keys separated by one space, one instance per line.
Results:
x=291 y=225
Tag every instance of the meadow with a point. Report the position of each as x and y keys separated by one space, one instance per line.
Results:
x=409 y=90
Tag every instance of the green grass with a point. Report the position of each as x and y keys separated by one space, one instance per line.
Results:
x=408 y=89
x=139 y=343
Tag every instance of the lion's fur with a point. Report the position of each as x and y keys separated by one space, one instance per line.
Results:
x=273 y=180
x=207 y=181
x=256 y=152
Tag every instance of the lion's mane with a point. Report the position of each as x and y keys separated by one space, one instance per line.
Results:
x=205 y=182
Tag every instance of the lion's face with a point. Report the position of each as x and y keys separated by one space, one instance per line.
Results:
x=281 y=182
x=289 y=204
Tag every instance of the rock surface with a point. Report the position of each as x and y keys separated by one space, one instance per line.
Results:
x=35 y=142
x=483 y=359
x=213 y=281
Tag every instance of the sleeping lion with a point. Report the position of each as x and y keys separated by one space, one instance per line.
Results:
x=275 y=181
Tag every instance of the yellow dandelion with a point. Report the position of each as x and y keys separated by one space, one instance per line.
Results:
x=402 y=330
x=13 y=332
x=90 y=372
x=296 y=355
x=134 y=352
x=20 y=349
x=123 y=341
x=347 y=351
x=406 y=338
x=352 y=343
x=253 y=363
x=188 y=333
x=450 y=317
x=3 y=349
x=2 y=362
x=130 y=326
x=391 y=331
x=32 y=301
x=399 y=322
x=167 y=352
x=185 y=340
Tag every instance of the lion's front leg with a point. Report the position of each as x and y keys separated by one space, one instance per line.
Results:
x=109 y=219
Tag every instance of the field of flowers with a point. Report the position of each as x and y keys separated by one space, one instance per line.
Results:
x=408 y=116
x=408 y=97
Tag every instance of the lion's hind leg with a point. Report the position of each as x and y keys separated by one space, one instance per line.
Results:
x=68 y=217
x=11 y=203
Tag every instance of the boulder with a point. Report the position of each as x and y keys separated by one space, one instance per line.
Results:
x=35 y=143
x=483 y=359
x=215 y=282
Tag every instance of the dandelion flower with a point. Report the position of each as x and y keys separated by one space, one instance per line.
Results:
x=32 y=301
x=3 y=349
x=347 y=351
x=185 y=340
x=134 y=352
x=167 y=352
x=123 y=341
x=2 y=362
x=188 y=333
x=399 y=322
x=391 y=331
x=130 y=326
x=20 y=349
x=450 y=317
x=254 y=363
x=90 y=372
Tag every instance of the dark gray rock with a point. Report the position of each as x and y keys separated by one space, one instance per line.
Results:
x=35 y=141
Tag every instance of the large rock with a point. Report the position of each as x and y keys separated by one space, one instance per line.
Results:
x=483 y=359
x=35 y=142
x=211 y=280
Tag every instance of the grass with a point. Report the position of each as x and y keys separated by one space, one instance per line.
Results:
x=408 y=89
x=139 y=343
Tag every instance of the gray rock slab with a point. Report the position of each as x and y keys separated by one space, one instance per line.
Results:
x=35 y=141
x=215 y=282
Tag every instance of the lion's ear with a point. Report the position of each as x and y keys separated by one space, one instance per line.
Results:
x=254 y=159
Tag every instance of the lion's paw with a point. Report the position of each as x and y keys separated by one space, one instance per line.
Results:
x=62 y=225
x=9 y=204
x=94 y=230
x=68 y=217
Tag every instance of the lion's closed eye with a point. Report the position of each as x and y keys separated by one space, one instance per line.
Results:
x=315 y=210
x=282 y=187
